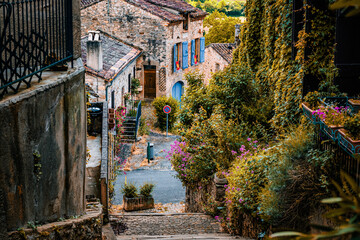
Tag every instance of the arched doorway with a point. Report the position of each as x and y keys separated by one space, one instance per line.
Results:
x=178 y=90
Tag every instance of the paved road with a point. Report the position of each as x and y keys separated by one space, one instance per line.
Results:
x=168 y=189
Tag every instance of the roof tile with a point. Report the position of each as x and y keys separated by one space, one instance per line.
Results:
x=225 y=50
x=116 y=56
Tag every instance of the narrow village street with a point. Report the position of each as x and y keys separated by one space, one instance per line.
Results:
x=168 y=189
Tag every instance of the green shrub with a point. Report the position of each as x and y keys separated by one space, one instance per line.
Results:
x=135 y=84
x=352 y=126
x=144 y=128
x=147 y=189
x=312 y=98
x=131 y=113
x=129 y=190
x=159 y=103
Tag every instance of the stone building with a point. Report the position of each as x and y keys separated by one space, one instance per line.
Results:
x=110 y=65
x=221 y=56
x=170 y=32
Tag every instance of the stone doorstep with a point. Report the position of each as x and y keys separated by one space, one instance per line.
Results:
x=66 y=223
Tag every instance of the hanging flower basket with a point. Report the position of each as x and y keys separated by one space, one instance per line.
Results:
x=351 y=145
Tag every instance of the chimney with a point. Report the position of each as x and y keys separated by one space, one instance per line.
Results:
x=237 y=34
x=94 y=56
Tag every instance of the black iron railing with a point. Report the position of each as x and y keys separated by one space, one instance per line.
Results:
x=34 y=35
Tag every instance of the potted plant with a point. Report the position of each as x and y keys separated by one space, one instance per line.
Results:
x=355 y=105
x=135 y=202
x=332 y=118
x=349 y=136
x=311 y=102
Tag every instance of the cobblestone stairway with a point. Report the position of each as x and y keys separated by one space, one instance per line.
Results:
x=167 y=226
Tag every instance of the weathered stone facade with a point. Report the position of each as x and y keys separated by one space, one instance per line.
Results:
x=219 y=57
x=43 y=150
x=154 y=34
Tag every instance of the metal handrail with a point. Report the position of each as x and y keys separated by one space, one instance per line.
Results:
x=35 y=35
x=138 y=116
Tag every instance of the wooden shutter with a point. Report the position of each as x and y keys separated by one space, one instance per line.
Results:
x=202 y=49
x=185 y=52
x=192 y=52
x=175 y=57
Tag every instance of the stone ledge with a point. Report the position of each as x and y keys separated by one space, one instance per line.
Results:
x=88 y=224
x=157 y=214
x=50 y=80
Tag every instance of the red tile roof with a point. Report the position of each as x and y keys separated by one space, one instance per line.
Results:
x=225 y=50
x=117 y=55
x=159 y=8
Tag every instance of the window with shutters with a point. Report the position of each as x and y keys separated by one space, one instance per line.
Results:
x=197 y=51
x=177 y=57
x=202 y=50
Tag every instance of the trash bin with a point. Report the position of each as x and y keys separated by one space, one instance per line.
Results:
x=150 y=151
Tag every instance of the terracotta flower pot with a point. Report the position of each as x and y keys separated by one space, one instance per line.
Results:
x=355 y=105
x=309 y=113
x=351 y=145
x=111 y=110
x=330 y=130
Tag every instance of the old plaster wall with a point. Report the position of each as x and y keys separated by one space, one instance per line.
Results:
x=213 y=58
x=43 y=149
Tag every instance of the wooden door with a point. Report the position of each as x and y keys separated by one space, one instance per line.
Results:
x=150 y=84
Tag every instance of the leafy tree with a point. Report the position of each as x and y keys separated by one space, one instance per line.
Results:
x=221 y=28
x=233 y=8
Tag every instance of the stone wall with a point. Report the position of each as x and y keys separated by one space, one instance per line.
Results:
x=87 y=226
x=43 y=150
x=213 y=58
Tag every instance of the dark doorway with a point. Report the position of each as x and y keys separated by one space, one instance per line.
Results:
x=149 y=81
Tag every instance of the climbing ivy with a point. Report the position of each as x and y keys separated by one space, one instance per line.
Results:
x=266 y=47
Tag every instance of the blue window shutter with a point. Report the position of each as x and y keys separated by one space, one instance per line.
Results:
x=202 y=49
x=185 y=55
x=192 y=52
x=175 y=57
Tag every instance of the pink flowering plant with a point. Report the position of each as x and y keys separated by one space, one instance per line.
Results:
x=332 y=115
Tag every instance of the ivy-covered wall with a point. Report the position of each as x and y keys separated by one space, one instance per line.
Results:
x=266 y=48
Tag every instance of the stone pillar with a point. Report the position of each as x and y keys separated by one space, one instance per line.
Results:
x=94 y=51
x=237 y=34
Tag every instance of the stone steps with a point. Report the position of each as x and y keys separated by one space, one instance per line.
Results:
x=217 y=236
x=167 y=226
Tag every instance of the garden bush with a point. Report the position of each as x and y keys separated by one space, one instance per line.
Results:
x=159 y=103
x=147 y=189
x=129 y=190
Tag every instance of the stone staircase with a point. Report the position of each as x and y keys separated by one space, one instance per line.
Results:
x=167 y=226
x=129 y=127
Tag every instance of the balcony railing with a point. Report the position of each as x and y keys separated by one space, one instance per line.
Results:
x=34 y=35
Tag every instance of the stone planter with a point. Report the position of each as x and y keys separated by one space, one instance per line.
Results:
x=138 y=203
x=351 y=145
x=355 y=105
x=220 y=188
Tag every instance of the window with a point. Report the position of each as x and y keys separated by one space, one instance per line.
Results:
x=129 y=83
x=113 y=99
x=177 y=57
x=197 y=51
x=217 y=67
